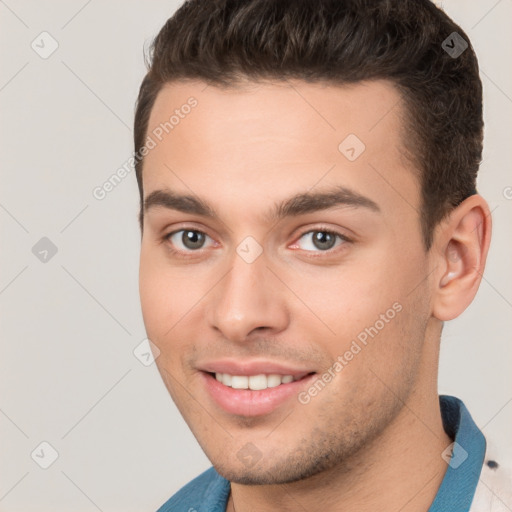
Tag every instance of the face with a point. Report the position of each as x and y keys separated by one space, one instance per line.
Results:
x=282 y=271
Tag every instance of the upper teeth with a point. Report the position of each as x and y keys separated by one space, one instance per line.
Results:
x=254 y=382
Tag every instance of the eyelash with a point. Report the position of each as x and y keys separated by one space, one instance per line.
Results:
x=316 y=254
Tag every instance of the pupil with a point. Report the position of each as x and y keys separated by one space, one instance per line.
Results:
x=323 y=240
x=192 y=239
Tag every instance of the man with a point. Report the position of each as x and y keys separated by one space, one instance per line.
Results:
x=309 y=215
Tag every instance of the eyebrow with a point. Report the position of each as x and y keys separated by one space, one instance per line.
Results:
x=299 y=204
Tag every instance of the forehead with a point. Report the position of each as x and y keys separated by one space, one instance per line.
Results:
x=271 y=138
x=265 y=109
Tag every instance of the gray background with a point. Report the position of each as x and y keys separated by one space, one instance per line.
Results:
x=69 y=325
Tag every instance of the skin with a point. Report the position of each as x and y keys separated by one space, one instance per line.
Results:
x=372 y=438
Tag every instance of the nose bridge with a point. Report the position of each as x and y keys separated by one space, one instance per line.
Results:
x=244 y=300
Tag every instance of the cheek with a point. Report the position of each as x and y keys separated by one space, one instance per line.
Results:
x=158 y=294
x=348 y=300
x=369 y=315
x=170 y=302
x=152 y=296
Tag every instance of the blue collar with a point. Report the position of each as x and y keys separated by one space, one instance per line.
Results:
x=465 y=459
x=209 y=492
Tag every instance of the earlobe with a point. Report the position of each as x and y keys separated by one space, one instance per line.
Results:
x=462 y=244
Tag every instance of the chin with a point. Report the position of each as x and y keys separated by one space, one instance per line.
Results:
x=293 y=469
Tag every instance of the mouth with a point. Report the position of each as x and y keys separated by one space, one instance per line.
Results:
x=254 y=395
x=256 y=382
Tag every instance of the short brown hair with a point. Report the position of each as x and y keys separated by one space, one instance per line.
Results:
x=223 y=42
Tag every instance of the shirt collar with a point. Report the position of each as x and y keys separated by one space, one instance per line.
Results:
x=465 y=457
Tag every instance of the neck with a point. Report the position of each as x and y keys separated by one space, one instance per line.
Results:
x=400 y=470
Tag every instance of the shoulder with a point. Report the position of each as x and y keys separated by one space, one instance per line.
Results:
x=208 y=491
x=494 y=490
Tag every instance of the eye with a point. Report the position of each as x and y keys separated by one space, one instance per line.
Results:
x=187 y=240
x=320 y=240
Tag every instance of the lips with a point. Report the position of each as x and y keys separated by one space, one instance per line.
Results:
x=253 y=367
x=253 y=388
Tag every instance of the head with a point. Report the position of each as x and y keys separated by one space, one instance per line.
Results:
x=307 y=176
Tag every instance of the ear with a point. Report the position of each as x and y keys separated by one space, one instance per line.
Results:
x=460 y=244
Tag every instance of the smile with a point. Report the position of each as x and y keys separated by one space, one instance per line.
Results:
x=255 y=382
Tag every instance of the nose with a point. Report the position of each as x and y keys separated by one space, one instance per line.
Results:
x=248 y=298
